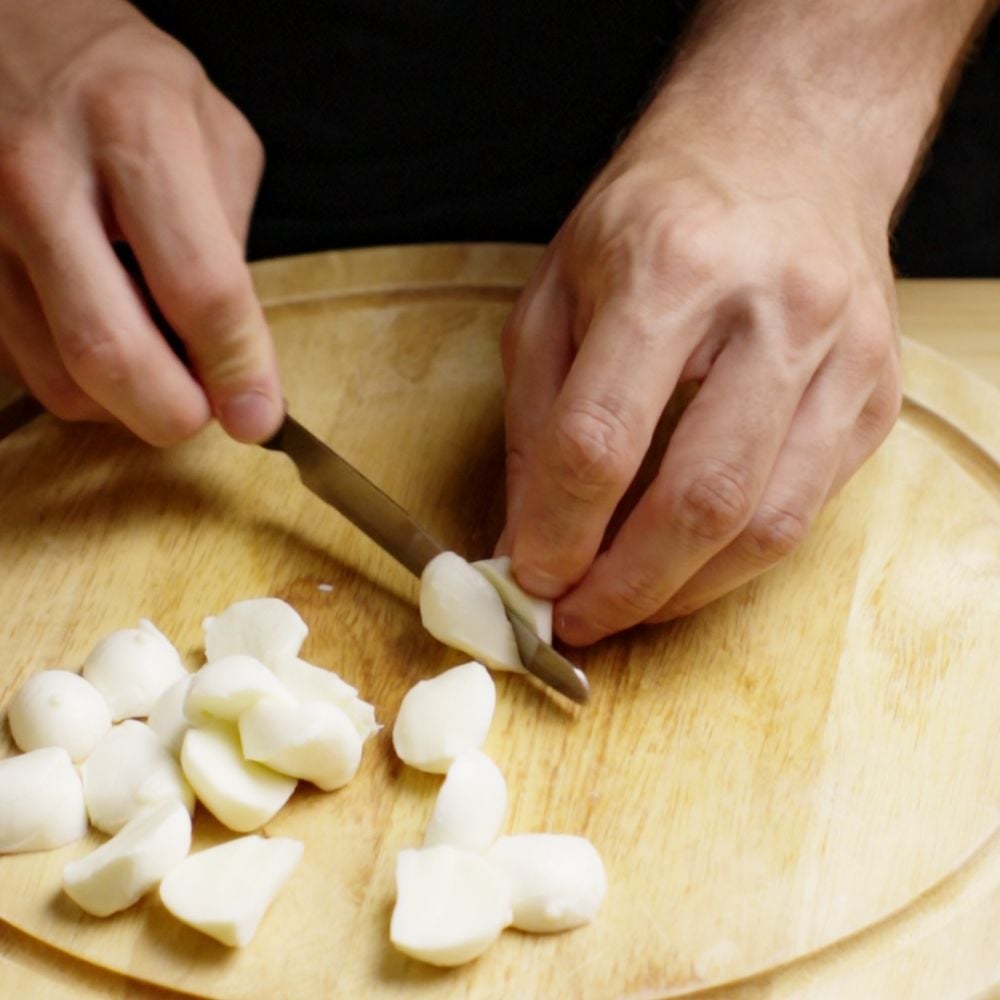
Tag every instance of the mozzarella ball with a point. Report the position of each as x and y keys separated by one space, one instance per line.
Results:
x=225 y=891
x=314 y=741
x=129 y=771
x=41 y=802
x=124 y=868
x=443 y=717
x=470 y=804
x=225 y=688
x=56 y=708
x=451 y=905
x=132 y=668
x=265 y=628
x=240 y=794
x=557 y=881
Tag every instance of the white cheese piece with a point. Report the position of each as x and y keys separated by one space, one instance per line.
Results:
x=443 y=717
x=311 y=683
x=534 y=610
x=225 y=891
x=314 y=741
x=56 y=708
x=132 y=862
x=132 y=668
x=167 y=718
x=240 y=794
x=462 y=609
x=225 y=688
x=557 y=881
x=470 y=805
x=265 y=628
x=130 y=770
x=41 y=802
x=451 y=905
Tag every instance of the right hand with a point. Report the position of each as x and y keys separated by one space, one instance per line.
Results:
x=110 y=130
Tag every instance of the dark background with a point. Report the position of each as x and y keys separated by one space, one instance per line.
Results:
x=402 y=121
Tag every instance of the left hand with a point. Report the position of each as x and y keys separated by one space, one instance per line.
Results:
x=759 y=269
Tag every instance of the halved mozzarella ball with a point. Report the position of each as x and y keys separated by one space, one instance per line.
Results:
x=443 y=717
x=557 y=881
x=265 y=628
x=41 y=802
x=132 y=668
x=314 y=741
x=225 y=688
x=225 y=891
x=167 y=718
x=129 y=771
x=536 y=611
x=459 y=606
x=132 y=862
x=56 y=708
x=451 y=905
x=470 y=804
x=311 y=683
x=240 y=794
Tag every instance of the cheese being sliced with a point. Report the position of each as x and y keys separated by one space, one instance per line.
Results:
x=225 y=891
x=536 y=611
x=460 y=607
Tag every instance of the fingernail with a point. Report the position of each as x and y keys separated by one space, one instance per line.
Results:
x=572 y=629
x=539 y=583
x=250 y=416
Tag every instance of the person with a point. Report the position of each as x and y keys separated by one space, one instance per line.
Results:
x=737 y=235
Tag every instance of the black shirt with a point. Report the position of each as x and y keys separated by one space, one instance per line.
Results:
x=399 y=121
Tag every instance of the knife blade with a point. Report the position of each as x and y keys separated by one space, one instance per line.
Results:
x=339 y=484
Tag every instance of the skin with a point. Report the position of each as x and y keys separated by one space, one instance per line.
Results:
x=738 y=237
x=108 y=130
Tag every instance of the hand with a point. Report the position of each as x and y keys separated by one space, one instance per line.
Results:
x=757 y=269
x=110 y=130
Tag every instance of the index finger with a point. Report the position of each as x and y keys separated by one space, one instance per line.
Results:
x=169 y=210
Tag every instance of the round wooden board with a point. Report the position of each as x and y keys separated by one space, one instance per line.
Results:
x=795 y=792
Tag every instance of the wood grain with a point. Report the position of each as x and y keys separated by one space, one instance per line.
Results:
x=796 y=792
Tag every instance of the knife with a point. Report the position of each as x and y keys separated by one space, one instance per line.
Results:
x=336 y=482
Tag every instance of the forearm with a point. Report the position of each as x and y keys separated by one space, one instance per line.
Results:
x=849 y=81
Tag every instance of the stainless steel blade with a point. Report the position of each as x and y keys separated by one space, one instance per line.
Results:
x=335 y=481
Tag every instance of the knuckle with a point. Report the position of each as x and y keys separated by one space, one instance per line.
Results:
x=93 y=354
x=715 y=502
x=815 y=289
x=637 y=596
x=213 y=298
x=593 y=449
x=22 y=190
x=774 y=532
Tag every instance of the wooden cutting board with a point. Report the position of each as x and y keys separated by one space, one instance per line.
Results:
x=795 y=792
